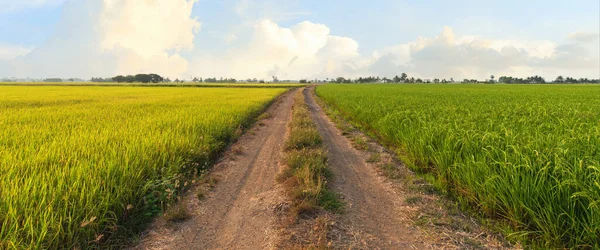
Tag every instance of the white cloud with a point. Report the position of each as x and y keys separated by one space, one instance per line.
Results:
x=10 y=51
x=308 y=50
x=148 y=27
x=581 y=36
x=305 y=50
x=108 y=37
x=449 y=55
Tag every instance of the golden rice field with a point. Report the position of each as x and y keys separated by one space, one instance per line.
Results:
x=162 y=84
x=86 y=164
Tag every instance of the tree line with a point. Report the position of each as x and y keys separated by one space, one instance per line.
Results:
x=403 y=78
x=541 y=80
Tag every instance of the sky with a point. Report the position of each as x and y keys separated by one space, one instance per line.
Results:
x=300 y=39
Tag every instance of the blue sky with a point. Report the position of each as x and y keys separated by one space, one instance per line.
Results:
x=229 y=27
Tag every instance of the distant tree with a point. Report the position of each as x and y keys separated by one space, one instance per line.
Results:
x=571 y=80
x=436 y=80
x=154 y=78
x=119 y=78
x=130 y=79
x=340 y=80
x=53 y=80
x=143 y=78
x=560 y=79
x=492 y=77
x=403 y=77
x=303 y=81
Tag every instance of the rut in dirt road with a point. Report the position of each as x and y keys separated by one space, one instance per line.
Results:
x=240 y=212
x=371 y=207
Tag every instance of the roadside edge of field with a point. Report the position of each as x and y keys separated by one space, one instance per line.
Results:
x=435 y=213
x=173 y=211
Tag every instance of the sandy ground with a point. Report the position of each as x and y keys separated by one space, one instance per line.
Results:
x=240 y=212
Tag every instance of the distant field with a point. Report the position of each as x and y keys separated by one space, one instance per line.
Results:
x=529 y=155
x=186 y=84
x=82 y=163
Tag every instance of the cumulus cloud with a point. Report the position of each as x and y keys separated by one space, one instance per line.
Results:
x=449 y=55
x=308 y=50
x=305 y=50
x=108 y=37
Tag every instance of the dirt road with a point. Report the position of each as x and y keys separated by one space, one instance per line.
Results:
x=372 y=208
x=240 y=212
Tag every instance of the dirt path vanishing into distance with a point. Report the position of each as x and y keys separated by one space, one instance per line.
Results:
x=240 y=212
x=371 y=211
x=241 y=205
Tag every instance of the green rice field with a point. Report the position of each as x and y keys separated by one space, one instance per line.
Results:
x=528 y=155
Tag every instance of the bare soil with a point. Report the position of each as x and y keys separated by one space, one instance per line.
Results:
x=240 y=211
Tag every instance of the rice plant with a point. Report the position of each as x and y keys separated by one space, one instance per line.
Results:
x=526 y=155
x=81 y=165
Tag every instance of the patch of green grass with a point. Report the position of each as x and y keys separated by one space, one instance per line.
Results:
x=304 y=138
x=305 y=178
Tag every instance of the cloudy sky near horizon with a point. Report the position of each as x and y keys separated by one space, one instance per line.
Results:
x=294 y=39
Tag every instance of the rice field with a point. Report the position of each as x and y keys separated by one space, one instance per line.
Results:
x=82 y=165
x=162 y=84
x=526 y=155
